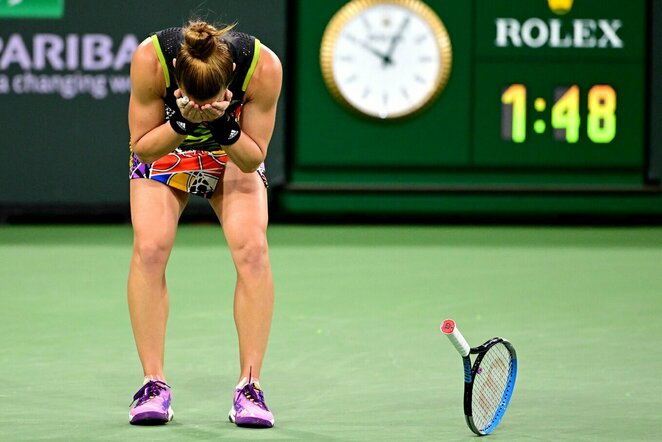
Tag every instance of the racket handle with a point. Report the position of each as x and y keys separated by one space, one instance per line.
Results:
x=449 y=328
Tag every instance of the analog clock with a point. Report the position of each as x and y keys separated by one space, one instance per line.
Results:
x=386 y=58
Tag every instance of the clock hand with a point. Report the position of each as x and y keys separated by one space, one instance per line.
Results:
x=388 y=58
x=366 y=46
x=374 y=51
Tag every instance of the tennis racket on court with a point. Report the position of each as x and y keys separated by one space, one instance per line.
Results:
x=489 y=383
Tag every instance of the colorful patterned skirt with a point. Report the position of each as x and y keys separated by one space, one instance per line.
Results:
x=194 y=171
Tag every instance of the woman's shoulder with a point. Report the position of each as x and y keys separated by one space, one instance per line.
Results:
x=268 y=73
x=269 y=61
x=146 y=70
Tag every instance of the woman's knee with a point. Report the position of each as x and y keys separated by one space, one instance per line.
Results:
x=151 y=253
x=251 y=257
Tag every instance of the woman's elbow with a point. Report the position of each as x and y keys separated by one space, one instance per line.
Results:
x=249 y=167
x=142 y=155
x=145 y=159
x=250 y=163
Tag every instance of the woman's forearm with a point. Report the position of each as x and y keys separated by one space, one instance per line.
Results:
x=157 y=143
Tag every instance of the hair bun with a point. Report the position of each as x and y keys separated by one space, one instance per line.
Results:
x=201 y=40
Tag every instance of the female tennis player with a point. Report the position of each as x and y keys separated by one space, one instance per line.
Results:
x=201 y=115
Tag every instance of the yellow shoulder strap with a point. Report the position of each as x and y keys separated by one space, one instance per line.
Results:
x=159 y=53
x=251 y=69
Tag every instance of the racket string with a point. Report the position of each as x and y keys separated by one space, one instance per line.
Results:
x=490 y=382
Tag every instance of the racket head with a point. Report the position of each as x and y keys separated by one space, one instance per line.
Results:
x=493 y=377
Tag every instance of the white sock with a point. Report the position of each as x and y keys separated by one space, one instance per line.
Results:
x=244 y=382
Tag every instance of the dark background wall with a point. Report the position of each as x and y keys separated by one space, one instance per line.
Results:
x=64 y=115
x=64 y=95
x=452 y=159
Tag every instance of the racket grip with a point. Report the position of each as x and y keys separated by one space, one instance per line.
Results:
x=449 y=328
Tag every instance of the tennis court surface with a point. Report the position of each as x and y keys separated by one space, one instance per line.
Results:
x=355 y=352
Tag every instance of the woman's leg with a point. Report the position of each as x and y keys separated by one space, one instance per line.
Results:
x=155 y=211
x=241 y=205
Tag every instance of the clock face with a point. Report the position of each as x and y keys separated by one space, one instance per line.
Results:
x=386 y=59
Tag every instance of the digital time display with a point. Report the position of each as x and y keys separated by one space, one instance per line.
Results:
x=566 y=124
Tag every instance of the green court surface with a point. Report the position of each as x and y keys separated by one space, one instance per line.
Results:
x=355 y=351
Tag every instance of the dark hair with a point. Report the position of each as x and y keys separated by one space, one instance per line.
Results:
x=204 y=62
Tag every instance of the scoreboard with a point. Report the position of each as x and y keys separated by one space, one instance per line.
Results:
x=560 y=90
x=546 y=99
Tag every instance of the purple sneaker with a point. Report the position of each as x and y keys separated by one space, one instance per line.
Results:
x=249 y=409
x=153 y=406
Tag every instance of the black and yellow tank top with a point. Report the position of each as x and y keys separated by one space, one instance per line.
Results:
x=245 y=50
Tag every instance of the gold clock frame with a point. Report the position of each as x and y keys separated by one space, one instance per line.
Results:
x=355 y=7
